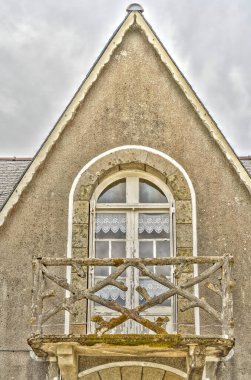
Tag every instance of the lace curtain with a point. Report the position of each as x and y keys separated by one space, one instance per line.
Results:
x=151 y=222
x=111 y=292
x=111 y=222
x=117 y=222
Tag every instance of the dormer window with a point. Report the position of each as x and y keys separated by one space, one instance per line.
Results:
x=131 y=218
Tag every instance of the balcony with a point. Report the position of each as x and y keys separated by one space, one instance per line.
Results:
x=210 y=291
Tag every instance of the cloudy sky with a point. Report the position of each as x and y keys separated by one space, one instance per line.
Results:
x=47 y=48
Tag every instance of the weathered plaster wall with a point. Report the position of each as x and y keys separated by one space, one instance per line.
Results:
x=134 y=101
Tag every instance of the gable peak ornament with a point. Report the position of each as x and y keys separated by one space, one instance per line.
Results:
x=135 y=7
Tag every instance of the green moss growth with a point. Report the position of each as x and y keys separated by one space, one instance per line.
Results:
x=157 y=340
x=118 y=262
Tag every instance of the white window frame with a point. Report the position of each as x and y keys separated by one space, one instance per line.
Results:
x=132 y=209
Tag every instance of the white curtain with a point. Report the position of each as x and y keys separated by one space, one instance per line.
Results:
x=117 y=222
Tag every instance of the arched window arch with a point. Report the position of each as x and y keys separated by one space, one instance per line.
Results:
x=132 y=216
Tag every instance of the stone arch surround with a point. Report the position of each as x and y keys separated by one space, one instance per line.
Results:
x=94 y=172
x=133 y=371
x=131 y=158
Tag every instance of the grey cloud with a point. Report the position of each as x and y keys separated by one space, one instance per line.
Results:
x=46 y=49
x=212 y=46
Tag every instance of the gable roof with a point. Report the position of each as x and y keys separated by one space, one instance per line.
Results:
x=134 y=17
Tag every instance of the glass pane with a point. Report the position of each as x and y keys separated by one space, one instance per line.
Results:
x=153 y=226
x=101 y=271
x=145 y=249
x=102 y=249
x=102 y=252
x=114 y=193
x=162 y=249
x=110 y=226
x=149 y=193
x=118 y=249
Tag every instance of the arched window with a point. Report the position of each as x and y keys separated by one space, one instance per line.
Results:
x=132 y=217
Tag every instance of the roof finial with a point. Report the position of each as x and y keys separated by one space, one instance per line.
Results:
x=135 y=7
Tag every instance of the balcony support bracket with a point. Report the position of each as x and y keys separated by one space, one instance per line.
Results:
x=196 y=361
x=67 y=361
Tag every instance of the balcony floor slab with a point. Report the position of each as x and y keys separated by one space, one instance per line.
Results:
x=172 y=345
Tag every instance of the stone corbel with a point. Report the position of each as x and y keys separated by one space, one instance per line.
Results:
x=67 y=361
x=53 y=370
x=196 y=361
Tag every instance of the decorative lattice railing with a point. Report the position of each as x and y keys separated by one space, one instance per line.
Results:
x=214 y=274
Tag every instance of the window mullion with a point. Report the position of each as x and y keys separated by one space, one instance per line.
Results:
x=132 y=190
x=129 y=279
x=154 y=255
x=135 y=284
x=110 y=256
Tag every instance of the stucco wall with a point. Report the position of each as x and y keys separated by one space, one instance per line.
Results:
x=134 y=101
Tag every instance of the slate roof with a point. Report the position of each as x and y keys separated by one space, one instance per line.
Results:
x=12 y=169
x=247 y=163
